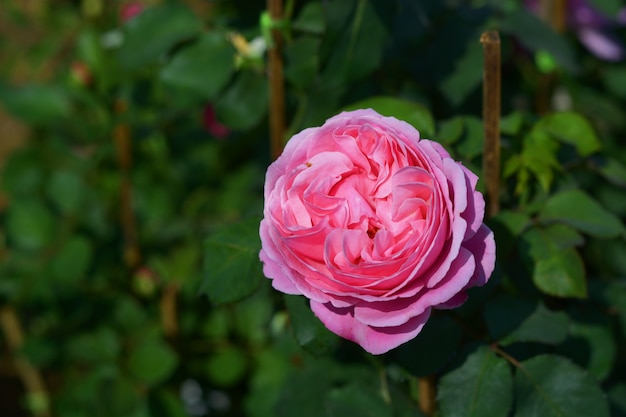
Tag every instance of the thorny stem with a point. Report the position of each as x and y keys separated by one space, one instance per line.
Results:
x=276 y=83
x=491 y=119
x=30 y=376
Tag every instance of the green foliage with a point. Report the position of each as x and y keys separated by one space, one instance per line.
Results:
x=549 y=385
x=190 y=326
x=482 y=386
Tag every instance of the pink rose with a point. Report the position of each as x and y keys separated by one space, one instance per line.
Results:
x=375 y=226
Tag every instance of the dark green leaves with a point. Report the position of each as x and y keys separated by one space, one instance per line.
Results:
x=203 y=68
x=437 y=343
x=308 y=330
x=152 y=360
x=232 y=269
x=551 y=386
x=558 y=269
x=30 y=224
x=511 y=320
x=579 y=210
x=153 y=32
x=244 y=103
x=412 y=113
x=37 y=104
x=481 y=387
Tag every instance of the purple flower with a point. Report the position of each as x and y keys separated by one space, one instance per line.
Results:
x=592 y=27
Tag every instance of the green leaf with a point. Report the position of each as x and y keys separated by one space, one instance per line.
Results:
x=437 y=343
x=151 y=34
x=232 y=269
x=413 y=113
x=204 y=67
x=551 y=386
x=29 y=224
x=360 y=44
x=227 y=366
x=466 y=76
x=512 y=320
x=511 y=124
x=37 y=104
x=72 y=261
x=472 y=141
x=152 y=360
x=450 y=130
x=244 y=104
x=579 y=210
x=613 y=170
x=302 y=61
x=591 y=343
x=558 y=270
x=310 y=19
x=482 y=386
x=22 y=173
x=572 y=128
x=357 y=399
x=97 y=346
x=309 y=331
x=615 y=79
x=304 y=391
x=66 y=190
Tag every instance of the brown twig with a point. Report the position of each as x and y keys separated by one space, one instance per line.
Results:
x=30 y=376
x=276 y=83
x=491 y=119
x=121 y=137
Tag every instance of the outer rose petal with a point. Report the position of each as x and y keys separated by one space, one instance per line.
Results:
x=375 y=226
x=375 y=340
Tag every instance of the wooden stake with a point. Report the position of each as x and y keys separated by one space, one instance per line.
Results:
x=30 y=376
x=491 y=120
x=122 y=139
x=427 y=395
x=276 y=83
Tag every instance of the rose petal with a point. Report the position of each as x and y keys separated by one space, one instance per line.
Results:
x=375 y=340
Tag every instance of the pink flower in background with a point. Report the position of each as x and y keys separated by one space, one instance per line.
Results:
x=592 y=27
x=375 y=226
x=212 y=125
x=130 y=10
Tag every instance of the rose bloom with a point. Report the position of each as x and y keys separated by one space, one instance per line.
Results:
x=375 y=226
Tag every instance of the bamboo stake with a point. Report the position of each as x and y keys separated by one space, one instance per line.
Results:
x=491 y=120
x=30 y=376
x=121 y=137
x=276 y=83
x=427 y=395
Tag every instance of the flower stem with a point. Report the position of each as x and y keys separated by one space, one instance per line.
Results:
x=276 y=83
x=491 y=119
